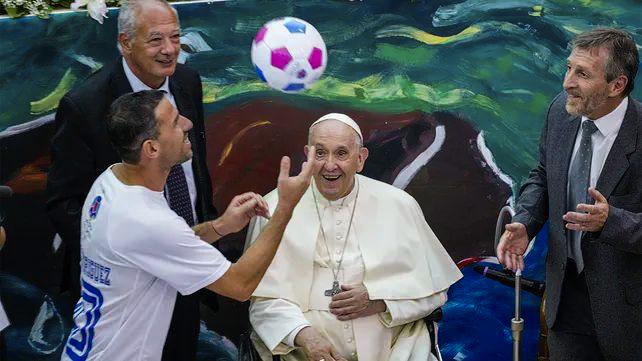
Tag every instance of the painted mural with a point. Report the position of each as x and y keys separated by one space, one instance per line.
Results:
x=451 y=97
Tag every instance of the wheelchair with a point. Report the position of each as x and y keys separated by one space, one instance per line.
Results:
x=248 y=353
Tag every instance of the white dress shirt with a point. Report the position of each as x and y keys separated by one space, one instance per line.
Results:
x=137 y=85
x=608 y=128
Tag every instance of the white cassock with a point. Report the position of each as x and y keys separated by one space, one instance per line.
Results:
x=390 y=249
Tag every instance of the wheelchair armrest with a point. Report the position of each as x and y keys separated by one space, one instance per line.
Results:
x=436 y=316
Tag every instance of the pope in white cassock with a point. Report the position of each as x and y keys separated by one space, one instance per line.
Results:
x=358 y=267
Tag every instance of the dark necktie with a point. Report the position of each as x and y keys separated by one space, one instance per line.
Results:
x=178 y=194
x=578 y=183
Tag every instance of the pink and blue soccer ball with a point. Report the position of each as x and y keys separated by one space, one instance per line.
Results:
x=289 y=54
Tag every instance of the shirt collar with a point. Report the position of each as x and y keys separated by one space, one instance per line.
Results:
x=349 y=198
x=137 y=85
x=610 y=124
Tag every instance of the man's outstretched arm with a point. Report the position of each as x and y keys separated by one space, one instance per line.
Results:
x=244 y=276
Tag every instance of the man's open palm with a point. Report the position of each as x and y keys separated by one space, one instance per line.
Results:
x=512 y=246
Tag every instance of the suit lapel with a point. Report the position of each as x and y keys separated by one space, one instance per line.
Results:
x=177 y=92
x=183 y=101
x=186 y=108
x=183 y=104
x=617 y=161
x=119 y=83
x=565 y=144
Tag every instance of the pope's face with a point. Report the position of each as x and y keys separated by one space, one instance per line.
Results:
x=342 y=156
x=153 y=53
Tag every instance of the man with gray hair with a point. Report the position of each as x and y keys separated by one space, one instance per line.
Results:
x=587 y=186
x=149 y=41
x=358 y=267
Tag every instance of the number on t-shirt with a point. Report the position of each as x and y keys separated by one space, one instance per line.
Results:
x=87 y=310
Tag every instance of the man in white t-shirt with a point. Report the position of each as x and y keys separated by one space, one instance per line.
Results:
x=137 y=252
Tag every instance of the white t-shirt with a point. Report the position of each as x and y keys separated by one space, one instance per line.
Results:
x=135 y=254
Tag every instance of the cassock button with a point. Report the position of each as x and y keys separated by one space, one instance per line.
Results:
x=346 y=326
x=349 y=340
x=339 y=236
x=338 y=252
x=338 y=223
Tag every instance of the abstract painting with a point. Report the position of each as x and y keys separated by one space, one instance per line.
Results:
x=450 y=95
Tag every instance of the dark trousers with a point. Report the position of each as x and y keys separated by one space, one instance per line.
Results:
x=572 y=337
x=182 y=339
x=71 y=275
x=567 y=346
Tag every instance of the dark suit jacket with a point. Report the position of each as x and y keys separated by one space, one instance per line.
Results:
x=613 y=256
x=81 y=151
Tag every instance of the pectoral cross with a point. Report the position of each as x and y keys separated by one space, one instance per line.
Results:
x=334 y=290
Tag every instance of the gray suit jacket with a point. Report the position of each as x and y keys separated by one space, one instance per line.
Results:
x=613 y=256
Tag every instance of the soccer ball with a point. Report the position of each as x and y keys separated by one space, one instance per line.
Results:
x=289 y=54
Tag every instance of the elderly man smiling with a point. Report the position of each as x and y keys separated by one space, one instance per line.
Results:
x=357 y=269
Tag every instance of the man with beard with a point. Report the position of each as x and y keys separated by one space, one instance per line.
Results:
x=587 y=185
x=149 y=42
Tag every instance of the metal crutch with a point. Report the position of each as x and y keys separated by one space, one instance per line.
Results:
x=516 y=324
